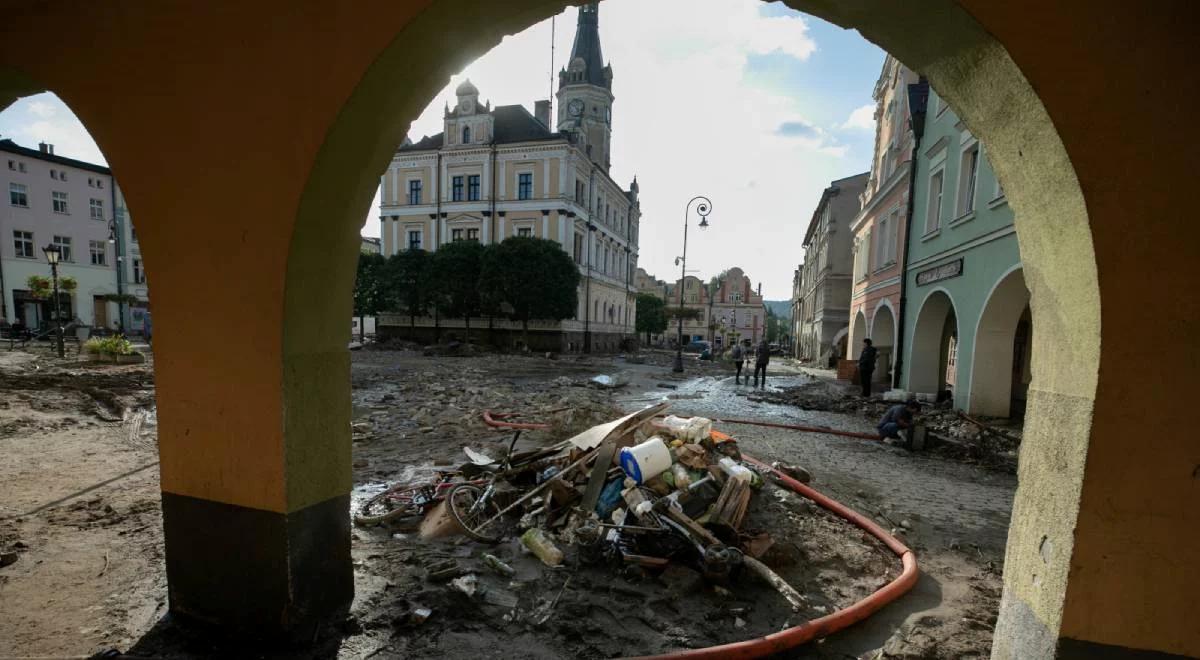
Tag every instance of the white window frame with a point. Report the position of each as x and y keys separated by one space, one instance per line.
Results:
x=65 y=201
x=881 y=242
x=96 y=208
x=966 y=197
x=525 y=228
x=18 y=189
x=98 y=249
x=25 y=238
x=933 y=221
x=65 y=248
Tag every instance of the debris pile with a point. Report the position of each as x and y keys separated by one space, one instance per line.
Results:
x=665 y=501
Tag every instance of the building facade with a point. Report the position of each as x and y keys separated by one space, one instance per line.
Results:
x=494 y=173
x=879 y=228
x=967 y=324
x=734 y=308
x=821 y=288
x=77 y=207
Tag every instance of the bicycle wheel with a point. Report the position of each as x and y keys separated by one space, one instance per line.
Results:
x=399 y=501
x=469 y=507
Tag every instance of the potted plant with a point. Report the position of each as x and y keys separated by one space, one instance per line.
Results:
x=116 y=349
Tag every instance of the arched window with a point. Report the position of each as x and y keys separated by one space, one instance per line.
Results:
x=466 y=135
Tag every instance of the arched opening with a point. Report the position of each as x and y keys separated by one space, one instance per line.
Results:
x=1002 y=363
x=858 y=332
x=883 y=337
x=932 y=356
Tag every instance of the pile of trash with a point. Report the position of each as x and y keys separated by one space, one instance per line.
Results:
x=641 y=492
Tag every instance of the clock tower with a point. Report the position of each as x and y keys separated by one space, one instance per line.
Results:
x=585 y=91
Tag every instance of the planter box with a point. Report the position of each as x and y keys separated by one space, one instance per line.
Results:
x=135 y=358
x=98 y=357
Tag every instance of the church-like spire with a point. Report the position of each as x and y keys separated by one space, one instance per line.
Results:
x=587 y=49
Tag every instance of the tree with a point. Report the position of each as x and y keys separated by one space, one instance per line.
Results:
x=532 y=278
x=775 y=326
x=369 y=292
x=651 y=315
x=407 y=283
x=714 y=285
x=455 y=270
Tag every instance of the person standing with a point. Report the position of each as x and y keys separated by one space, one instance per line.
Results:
x=866 y=366
x=762 y=356
x=739 y=359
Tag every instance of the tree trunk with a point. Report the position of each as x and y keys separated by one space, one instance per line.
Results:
x=525 y=333
x=468 y=333
x=362 y=328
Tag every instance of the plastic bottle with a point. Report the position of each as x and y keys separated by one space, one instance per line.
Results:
x=735 y=470
x=493 y=562
x=682 y=478
x=541 y=545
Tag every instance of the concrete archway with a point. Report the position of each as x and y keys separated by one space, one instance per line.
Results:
x=324 y=96
x=883 y=336
x=858 y=332
x=991 y=388
x=929 y=357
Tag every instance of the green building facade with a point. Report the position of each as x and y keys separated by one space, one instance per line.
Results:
x=966 y=313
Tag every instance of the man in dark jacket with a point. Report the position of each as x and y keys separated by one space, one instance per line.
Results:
x=866 y=366
x=762 y=356
x=897 y=422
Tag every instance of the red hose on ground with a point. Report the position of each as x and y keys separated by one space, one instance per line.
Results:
x=829 y=624
x=495 y=420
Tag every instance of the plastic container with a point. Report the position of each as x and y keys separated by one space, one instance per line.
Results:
x=682 y=478
x=690 y=429
x=541 y=546
x=735 y=470
x=646 y=461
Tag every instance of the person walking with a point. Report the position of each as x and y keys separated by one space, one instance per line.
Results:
x=739 y=359
x=866 y=366
x=762 y=356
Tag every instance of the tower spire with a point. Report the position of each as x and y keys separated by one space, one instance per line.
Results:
x=587 y=46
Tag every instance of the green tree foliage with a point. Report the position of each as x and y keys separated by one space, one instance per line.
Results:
x=456 y=270
x=651 y=315
x=776 y=327
x=370 y=295
x=408 y=283
x=534 y=278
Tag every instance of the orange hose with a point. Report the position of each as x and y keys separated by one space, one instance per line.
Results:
x=829 y=624
x=495 y=421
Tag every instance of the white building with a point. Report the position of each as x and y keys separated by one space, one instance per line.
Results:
x=76 y=206
x=494 y=173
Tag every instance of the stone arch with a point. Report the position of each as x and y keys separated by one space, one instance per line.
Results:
x=858 y=332
x=991 y=386
x=883 y=336
x=930 y=356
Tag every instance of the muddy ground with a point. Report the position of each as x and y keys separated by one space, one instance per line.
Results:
x=80 y=508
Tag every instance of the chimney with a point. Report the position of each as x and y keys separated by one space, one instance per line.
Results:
x=46 y=148
x=541 y=110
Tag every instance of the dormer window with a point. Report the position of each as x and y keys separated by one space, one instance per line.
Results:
x=466 y=135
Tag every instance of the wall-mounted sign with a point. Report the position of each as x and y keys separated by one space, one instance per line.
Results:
x=939 y=273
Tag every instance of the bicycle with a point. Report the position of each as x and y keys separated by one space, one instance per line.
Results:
x=406 y=500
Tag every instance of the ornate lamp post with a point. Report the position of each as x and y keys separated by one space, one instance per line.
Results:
x=53 y=254
x=703 y=208
x=113 y=240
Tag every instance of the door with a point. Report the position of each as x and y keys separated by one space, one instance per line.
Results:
x=99 y=312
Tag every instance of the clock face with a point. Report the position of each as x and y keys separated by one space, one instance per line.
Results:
x=465 y=105
x=575 y=107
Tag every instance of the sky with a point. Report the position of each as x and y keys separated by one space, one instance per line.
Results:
x=751 y=104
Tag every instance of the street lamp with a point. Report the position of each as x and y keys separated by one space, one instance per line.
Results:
x=53 y=254
x=113 y=240
x=703 y=208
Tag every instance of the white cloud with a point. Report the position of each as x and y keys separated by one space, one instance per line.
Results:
x=42 y=109
x=863 y=117
x=45 y=118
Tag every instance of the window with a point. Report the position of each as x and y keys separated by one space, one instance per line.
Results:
x=578 y=249
x=64 y=248
x=472 y=234
x=456 y=234
x=414 y=240
x=91 y=182
x=456 y=189
x=881 y=258
x=54 y=174
x=96 y=207
x=525 y=185
x=466 y=135
x=414 y=192
x=62 y=176
x=139 y=275
x=736 y=296
x=473 y=188
x=23 y=243
x=59 y=200
x=21 y=167
x=967 y=177
x=99 y=252
x=100 y=183
x=18 y=194
x=893 y=236
x=525 y=232
x=933 y=219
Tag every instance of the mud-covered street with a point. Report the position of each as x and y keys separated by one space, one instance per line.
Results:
x=80 y=510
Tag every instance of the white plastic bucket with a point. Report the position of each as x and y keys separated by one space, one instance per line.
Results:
x=647 y=460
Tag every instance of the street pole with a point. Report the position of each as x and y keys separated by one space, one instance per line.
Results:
x=702 y=209
x=57 y=310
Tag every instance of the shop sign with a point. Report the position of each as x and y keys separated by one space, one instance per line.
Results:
x=939 y=273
